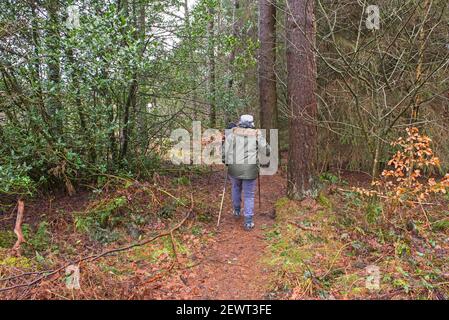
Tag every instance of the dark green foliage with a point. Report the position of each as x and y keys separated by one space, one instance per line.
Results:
x=100 y=222
x=38 y=240
x=102 y=97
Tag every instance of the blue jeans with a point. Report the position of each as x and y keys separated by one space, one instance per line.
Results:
x=249 y=187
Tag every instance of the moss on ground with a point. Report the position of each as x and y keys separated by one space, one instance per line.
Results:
x=325 y=250
x=9 y=261
x=7 y=239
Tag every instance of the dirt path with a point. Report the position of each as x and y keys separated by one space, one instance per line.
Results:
x=230 y=266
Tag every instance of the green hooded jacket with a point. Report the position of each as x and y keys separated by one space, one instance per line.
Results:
x=241 y=152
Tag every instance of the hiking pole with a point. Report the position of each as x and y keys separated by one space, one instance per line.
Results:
x=258 y=181
x=222 y=198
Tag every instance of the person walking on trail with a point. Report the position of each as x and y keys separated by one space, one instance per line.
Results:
x=242 y=144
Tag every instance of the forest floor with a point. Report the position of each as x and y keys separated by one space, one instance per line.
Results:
x=207 y=262
x=333 y=247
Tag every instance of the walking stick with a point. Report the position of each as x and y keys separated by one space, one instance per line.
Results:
x=258 y=178
x=258 y=173
x=222 y=198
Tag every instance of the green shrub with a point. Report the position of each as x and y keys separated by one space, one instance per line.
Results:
x=14 y=180
x=329 y=177
x=373 y=211
x=40 y=240
x=100 y=221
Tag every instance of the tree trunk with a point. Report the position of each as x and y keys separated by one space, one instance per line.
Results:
x=267 y=64
x=194 y=71
x=235 y=34
x=18 y=226
x=301 y=86
x=419 y=67
x=37 y=79
x=54 y=72
x=142 y=101
x=211 y=68
x=131 y=100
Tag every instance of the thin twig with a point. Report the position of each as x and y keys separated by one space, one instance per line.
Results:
x=304 y=227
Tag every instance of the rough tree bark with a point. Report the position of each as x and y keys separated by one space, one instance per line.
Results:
x=267 y=63
x=211 y=68
x=301 y=86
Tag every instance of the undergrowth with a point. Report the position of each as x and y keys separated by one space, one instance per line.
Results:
x=323 y=252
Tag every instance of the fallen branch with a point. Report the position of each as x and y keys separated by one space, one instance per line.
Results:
x=304 y=227
x=94 y=257
x=18 y=227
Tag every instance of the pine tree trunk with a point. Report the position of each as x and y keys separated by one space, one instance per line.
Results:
x=301 y=86
x=267 y=63
x=211 y=67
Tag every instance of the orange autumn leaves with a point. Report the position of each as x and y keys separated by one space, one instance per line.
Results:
x=404 y=183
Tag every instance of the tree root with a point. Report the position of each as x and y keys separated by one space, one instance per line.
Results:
x=18 y=227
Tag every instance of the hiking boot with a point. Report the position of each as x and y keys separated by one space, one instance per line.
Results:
x=236 y=213
x=249 y=224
